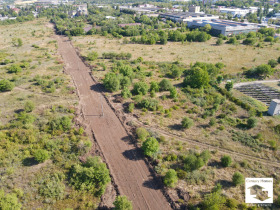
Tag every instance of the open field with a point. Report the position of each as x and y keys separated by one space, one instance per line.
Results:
x=234 y=57
x=40 y=83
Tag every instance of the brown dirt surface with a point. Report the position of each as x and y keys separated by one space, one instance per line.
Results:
x=126 y=163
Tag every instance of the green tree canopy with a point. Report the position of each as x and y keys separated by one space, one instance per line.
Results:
x=150 y=146
x=197 y=78
x=122 y=203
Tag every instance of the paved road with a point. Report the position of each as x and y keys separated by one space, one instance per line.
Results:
x=125 y=162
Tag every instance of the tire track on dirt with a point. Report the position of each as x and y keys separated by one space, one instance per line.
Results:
x=127 y=166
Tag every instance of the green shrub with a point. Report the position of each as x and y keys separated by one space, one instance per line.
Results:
x=142 y=133
x=92 y=56
x=219 y=41
x=131 y=107
x=213 y=201
x=92 y=177
x=148 y=103
x=154 y=86
x=237 y=178
x=212 y=122
x=122 y=203
x=111 y=82
x=197 y=78
x=249 y=41
x=252 y=122
x=140 y=88
x=6 y=85
x=126 y=93
x=231 y=203
x=273 y=63
x=229 y=86
x=15 y=68
x=150 y=146
x=165 y=85
x=187 y=122
x=60 y=124
x=173 y=92
x=195 y=161
x=9 y=201
x=29 y=106
x=41 y=155
x=170 y=179
x=226 y=161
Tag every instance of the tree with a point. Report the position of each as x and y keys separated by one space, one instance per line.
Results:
x=150 y=146
x=165 y=85
x=9 y=201
x=264 y=70
x=154 y=86
x=29 y=106
x=111 y=82
x=226 y=160
x=229 y=86
x=6 y=85
x=186 y=122
x=126 y=93
x=252 y=122
x=93 y=176
x=170 y=179
x=92 y=56
x=237 y=178
x=41 y=155
x=140 y=88
x=142 y=133
x=122 y=203
x=176 y=72
x=197 y=78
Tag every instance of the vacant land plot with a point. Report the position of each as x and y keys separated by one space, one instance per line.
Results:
x=234 y=57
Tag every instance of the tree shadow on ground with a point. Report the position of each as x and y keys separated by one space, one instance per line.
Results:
x=152 y=184
x=132 y=154
x=215 y=164
x=225 y=184
x=30 y=161
x=175 y=127
x=127 y=140
x=97 y=88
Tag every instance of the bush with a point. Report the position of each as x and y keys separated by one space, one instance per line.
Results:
x=93 y=176
x=229 y=86
x=273 y=63
x=126 y=93
x=195 y=161
x=131 y=107
x=9 y=201
x=249 y=41
x=212 y=122
x=148 y=103
x=197 y=78
x=187 y=122
x=154 y=86
x=15 y=69
x=173 y=92
x=92 y=56
x=165 y=85
x=213 y=201
x=150 y=146
x=226 y=161
x=111 y=82
x=6 y=85
x=122 y=203
x=41 y=155
x=219 y=41
x=140 y=88
x=252 y=122
x=142 y=133
x=231 y=203
x=237 y=178
x=60 y=124
x=29 y=106
x=170 y=179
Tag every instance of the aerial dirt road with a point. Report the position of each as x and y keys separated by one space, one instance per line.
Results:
x=126 y=164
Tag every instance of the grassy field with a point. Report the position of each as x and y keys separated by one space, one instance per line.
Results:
x=229 y=130
x=40 y=82
x=234 y=57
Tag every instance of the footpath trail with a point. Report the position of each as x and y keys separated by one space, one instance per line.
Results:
x=127 y=166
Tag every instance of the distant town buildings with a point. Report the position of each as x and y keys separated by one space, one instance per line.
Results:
x=47 y=2
x=187 y=16
x=225 y=27
x=194 y=8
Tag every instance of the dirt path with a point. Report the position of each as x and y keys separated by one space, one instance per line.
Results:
x=254 y=82
x=126 y=163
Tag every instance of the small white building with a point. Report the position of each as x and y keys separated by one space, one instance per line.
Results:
x=194 y=8
x=274 y=108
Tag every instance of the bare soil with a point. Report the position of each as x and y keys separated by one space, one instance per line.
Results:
x=128 y=168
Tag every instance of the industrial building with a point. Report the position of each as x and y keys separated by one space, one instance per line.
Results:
x=187 y=16
x=225 y=27
x=194 y=8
